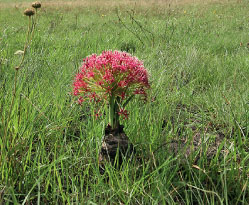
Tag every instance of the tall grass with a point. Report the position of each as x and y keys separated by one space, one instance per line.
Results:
x=197 y=57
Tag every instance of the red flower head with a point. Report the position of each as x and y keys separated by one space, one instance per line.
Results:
x=113 y=74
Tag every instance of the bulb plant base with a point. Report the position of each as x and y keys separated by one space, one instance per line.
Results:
x=115 y=148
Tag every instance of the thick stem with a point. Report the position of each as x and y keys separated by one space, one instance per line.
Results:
x=116 y=116
x=113 y=113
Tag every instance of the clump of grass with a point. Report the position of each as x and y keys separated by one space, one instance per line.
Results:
x=129 y=47
x=9 y=139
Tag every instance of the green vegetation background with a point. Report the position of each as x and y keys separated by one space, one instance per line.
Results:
x=198 y=59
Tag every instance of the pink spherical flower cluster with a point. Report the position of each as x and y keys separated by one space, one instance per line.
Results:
x=112 y=76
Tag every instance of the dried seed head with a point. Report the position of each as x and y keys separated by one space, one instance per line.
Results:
x=36 y=5
x=29 y=12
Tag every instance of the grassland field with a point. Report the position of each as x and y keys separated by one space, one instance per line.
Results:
x=197 y=56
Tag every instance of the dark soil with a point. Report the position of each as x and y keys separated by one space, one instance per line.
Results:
x=115 y=147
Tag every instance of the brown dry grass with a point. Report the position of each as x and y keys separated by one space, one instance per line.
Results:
x=109 y=4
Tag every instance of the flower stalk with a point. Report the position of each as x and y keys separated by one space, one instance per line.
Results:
x=112 y=111
x=29 y=35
